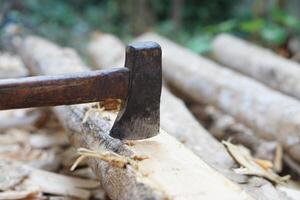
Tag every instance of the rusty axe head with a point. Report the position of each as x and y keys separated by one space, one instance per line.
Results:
x=139 y=116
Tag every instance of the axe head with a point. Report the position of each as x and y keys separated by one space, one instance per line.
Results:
x=139 y=116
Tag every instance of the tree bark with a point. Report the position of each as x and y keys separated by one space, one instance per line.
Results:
x=169 y=170
x=180 y=123
x=262 y=64
x=225 y=127
x=272 y=115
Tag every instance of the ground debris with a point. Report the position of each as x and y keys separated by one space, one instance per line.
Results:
x=252 y=166
x=27 y=157
x=29 y=193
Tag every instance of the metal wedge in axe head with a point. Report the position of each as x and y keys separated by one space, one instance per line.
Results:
x=138 y=85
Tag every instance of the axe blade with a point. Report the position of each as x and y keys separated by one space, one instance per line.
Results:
x=139 y=116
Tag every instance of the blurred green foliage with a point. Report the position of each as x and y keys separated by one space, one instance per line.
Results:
x=192 y=23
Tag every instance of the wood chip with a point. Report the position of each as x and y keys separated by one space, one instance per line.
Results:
x=58 y=184
x=252 y=166
x=278 y=158
x=265 y=164
x=111 y=158
x=11 y=175
x=23 y=194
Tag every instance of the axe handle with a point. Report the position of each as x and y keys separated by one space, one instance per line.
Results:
x=65 y=89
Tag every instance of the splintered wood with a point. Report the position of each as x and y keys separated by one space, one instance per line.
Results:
x=25 y=181
x=110 y=157
x=252 y=166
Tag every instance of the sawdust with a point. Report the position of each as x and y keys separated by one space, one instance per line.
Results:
x=252 y=166
x=28 y=193
x=265 y=164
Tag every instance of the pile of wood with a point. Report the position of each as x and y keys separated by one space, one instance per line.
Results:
x=187 y=160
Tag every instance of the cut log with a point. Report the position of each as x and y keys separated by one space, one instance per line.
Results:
x=262 y=64
x=170 y=171
x=178 y=121
x=271 y=114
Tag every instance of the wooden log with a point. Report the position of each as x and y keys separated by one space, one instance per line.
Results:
x=11 y=66
x=259 y=63
x=225 y=127
x=272 y=115
x=100 y=55
x=169 y=170
x=179 y=122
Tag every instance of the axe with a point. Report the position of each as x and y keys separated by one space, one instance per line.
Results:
x=138 y=84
